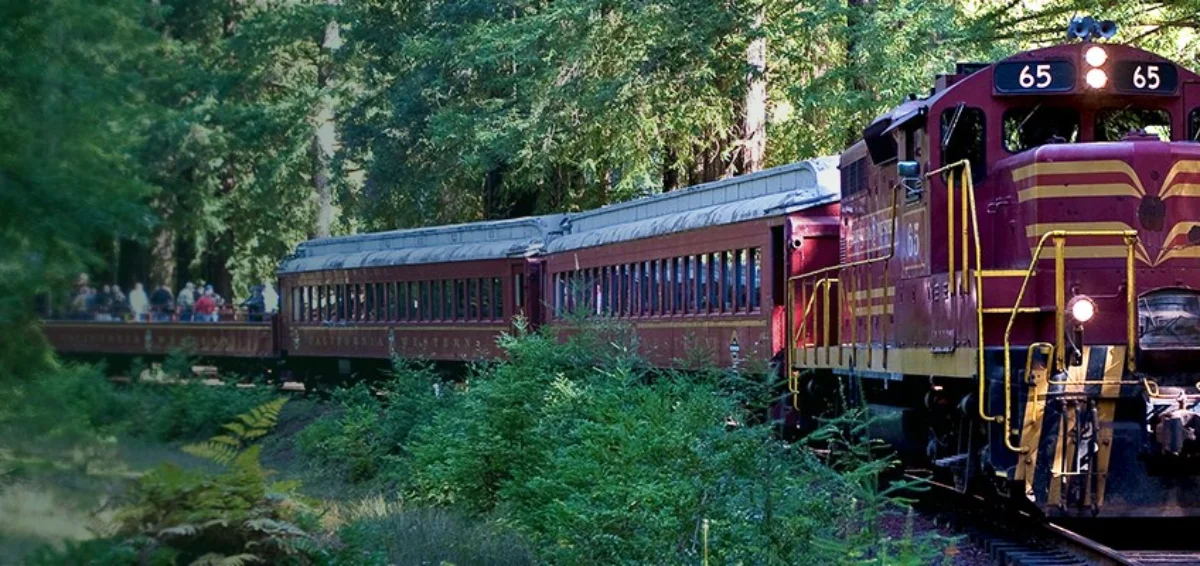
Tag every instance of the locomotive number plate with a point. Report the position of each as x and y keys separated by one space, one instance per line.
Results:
x=1034 y=77
x=1142 y=77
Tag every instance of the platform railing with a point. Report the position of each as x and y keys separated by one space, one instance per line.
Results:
x=792 y=340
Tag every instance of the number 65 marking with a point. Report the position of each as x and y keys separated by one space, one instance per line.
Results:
x=1149 y=80
x=1043 y=79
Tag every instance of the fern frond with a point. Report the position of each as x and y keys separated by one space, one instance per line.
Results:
x=220 y=453
x=271 y=526
x=214 y=559
x=235 y=427
x=184 y=530
x=226 y=439
x=226 y=449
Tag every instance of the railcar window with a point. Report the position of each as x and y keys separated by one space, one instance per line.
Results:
x=389 y=290
x=485 y=299
x=669 y=302
x=625 y=289
x=473 y=299
x=1032 y=126
x=309 y=295
x=369 y=315
x=739 y=303
x=423 y=301
x=356 y=302
x=963 y=137
x=1194 y=125
x=1114 y=123
x=497 y=299
x=658 y=297
x=447 y=298
x=519 y=291
x=756 y=279
x=326 y=302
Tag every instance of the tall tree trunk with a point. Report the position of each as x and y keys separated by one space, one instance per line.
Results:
x=321 y=148
x=670 y=173
x=857 y=83
x=162 y=259
x=754 y=136
x=492 y=207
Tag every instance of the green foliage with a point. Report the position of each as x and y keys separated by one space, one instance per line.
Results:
x=71 y=106
x=179 y=361
x=188 y=411
x=236 y=516
x=605 y=461
x=429 y=536
x=366 y=438
x=247 y=428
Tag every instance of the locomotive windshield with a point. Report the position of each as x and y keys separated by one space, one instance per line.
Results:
x=1029 y=127
x=1112 y=124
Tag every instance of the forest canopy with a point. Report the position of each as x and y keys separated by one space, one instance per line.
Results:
x=164 y=140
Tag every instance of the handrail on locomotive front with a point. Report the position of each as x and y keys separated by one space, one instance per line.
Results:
x=1060 y=239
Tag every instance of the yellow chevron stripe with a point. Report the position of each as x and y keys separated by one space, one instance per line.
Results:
x=1179 y=168
x=1182 y=190
x=1079 y=167
x=1080 y=190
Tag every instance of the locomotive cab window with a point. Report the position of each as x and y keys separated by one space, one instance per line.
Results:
x=1194 y=125
x=1114 y=123
x=963 y=137
x=1033 y=126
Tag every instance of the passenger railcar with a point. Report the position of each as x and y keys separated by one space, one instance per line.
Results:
x=700 y=269
x=1020 y=293
x=442 y=293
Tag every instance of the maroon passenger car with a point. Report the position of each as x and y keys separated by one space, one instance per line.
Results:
x=700 y=270
x=441 y=293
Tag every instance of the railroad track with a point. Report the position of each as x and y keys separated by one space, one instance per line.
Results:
x=1015 y=538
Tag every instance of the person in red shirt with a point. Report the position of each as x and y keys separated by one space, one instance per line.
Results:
x=206 y=308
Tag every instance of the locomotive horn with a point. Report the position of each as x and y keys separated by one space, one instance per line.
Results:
x=1106 y=29
x=1081 y=28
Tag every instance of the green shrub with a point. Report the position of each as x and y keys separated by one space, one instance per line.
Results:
x=595 y=458
x=367 y=434
x=430 y=536
x=188 y=411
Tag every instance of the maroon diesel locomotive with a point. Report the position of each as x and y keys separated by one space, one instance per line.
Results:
x=1005 y=270
x=1034 y=227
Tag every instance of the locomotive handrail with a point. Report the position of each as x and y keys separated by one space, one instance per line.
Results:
x=1060 y=238
x=968 y=202
x=793 y=381
x=790 y=299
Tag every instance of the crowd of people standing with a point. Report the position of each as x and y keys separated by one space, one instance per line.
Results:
x=195 y=302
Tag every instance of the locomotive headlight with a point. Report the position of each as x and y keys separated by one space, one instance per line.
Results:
x=1082 y=308
x=1097 y=78
x=1095 y=56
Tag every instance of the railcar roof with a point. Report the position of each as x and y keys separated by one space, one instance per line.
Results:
x=519 y=237
x=772 y=191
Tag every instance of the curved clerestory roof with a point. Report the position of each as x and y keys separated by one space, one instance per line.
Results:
x=769 y=192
